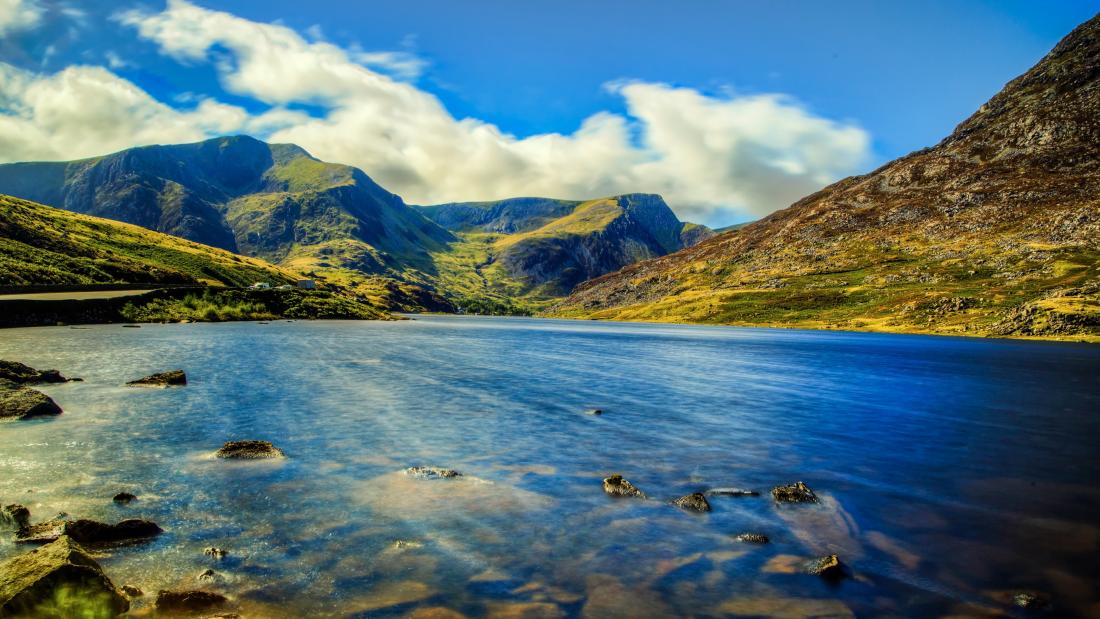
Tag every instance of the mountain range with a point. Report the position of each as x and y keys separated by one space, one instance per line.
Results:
x=278 y=203
x=995 y=230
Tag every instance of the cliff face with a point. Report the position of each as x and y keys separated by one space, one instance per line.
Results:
x=993 y=230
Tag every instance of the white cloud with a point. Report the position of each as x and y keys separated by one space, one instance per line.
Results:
x=705 y=154
x=18 y=15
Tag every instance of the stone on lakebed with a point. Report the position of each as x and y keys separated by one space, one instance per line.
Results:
x=619 y=487
x=797 y=492
x=696 y=502
x=24 y=403
x=249 y=450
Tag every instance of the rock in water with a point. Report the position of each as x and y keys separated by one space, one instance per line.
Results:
x=730 y=492
x=752 y=538
x=797 y=492
x=89 y=532
x=26 y=375
x=696 y=502
x=132 y=591
x=24 y=403
x=1030 y=599
x=15 y=516
x=249 y=450
x=427 y=472
x=189 y=601
x=827 y=567
x=174 y=378
x=124 y=498
x=215 y=552
x=619 y=487
x=594 y=411
x=59 y=570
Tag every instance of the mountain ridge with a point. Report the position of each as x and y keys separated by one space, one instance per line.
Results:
x=991 y=231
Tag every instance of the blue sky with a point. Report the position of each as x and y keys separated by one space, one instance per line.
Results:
x=901 y=75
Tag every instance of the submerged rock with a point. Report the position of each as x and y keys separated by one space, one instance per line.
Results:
x=19 y=373
x=426 y=472
x=123 y=497
x=189 y=601
x=15 y=516
x=24 y=403
x=1030 y=599
x=173 y=378
x=249 y=450
x=62 y=569
x=89 y=532
x=209 y=575
x=594 y=411
x=695 y=502
x=752 y=538
x=131 y=591
x=215 y=552
x=736 y=492
x=619 y=487
x=827 y=567
x=797 y=492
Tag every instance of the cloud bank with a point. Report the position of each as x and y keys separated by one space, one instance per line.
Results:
x=710 y=156
x=18 y=15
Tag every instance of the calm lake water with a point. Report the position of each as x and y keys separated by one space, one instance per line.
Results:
x=952 y=472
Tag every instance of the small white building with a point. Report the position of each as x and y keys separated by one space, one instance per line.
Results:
x=260 y=286
x=307 y=284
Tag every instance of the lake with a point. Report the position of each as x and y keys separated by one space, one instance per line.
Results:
x=951 y=472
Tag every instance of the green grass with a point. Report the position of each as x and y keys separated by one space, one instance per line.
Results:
x=230 y=305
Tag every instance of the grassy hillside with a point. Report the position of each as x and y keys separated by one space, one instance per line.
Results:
x=525 y=253
x=44 y=245
x=994 y=231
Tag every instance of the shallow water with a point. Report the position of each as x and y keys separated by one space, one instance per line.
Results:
x=951 y=472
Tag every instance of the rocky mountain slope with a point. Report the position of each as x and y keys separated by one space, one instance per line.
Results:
x=995 y=230
x=537 y=249
x=272 y=201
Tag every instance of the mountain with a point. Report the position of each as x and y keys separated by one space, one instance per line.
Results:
x=536 y=249
x=995 y=230
x=274 y=201
x=43 y=245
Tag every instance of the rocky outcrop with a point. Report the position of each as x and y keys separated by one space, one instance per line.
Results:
x=616 y=486
x=24 y=403
x=695 y=502
x=249 y=450
x=89 y=532
x=172 y=378
x=189 y=601
x=131 y=591
x=30 y=583
x=428 y=472
x=797 y=492
x=19 y=373
x=14 y=516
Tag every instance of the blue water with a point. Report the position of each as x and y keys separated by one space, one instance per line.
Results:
x=952 y=472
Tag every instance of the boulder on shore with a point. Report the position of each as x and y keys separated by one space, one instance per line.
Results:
x=89 y=532
x=797 y=492
x=428 y=472
x=189 y=601
x=19 y=373
x=619 y=487
x=249 y=450
x=34 y=583
x=696 y=502
x=15 y=516
x=24 y=403
x=174 y=378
